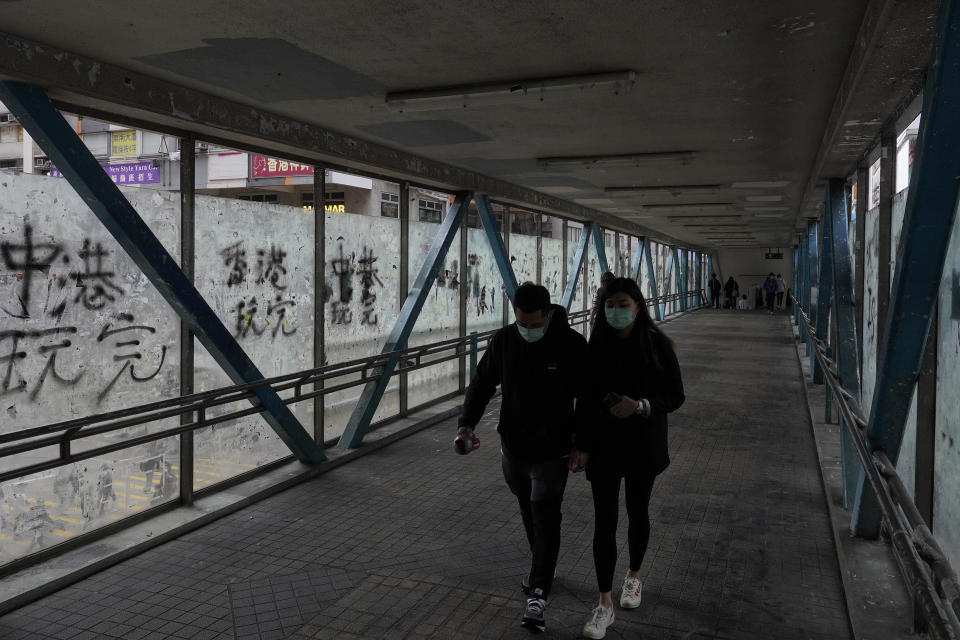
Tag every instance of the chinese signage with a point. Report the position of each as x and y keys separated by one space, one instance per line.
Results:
x=123 y=143
x=264 y=167
x=131 y=173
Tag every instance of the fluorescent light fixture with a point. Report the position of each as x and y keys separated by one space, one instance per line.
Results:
x=766 y=208
x=671 y=190
x=760 y=184
x=768 y=215
x=462 y=97
x=764 y=198
x=617 y=160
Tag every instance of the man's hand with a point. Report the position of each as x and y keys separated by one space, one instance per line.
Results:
x=467 y=434
x=625 y=408
x=578 y=460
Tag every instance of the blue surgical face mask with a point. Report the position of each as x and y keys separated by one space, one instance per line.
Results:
x=618 y=318
x=532 y=335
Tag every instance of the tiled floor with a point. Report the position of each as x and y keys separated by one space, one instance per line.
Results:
x=416 y=542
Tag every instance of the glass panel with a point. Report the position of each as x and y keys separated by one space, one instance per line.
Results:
x=626 y=256
x=83 y=332
x=254 y=265
x=523 y=247
x=484 y=283
x=870 y=282
x=440 y=317
x=946 y=500
x=574 y=231
x=552 y=259
x=362 y=282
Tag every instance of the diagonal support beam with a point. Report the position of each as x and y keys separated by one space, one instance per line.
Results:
x=597 y=233
x=635 y=269
x=370 y=397
x=578 y=257
x=62 y=145
x=652 y=279
x=929 y=217
x=496 y=244
x=845 y=314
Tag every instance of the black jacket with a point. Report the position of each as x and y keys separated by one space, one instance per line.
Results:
x=643 y=365
x=539 y=383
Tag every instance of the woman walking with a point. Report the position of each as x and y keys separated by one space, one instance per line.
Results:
x=637 y=374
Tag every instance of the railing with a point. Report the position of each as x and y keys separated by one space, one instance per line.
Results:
x=196 y=411
x=925 y=568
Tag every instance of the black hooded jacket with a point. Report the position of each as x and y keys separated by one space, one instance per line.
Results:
x=539 y=383
x=642 y=365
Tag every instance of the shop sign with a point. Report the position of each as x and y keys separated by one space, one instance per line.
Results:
x=123 y=143
x=130 y=173
x=264 y=167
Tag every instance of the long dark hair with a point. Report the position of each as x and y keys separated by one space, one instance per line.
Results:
x=644 y=327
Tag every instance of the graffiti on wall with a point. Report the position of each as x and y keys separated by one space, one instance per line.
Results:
x=253 y=315
x=51 y=277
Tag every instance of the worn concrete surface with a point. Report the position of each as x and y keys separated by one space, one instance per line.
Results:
x=413 y=541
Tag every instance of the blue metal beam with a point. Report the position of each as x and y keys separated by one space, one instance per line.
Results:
x=67 y=151
x=810 y=304
x=652 y=279
x=824 y=291
x=574 y=275
x=599 y=247
x=635 y=271
x=667 y=278
x=927 y=222
x=844 y=313
x=496 y=244
x=370 y=397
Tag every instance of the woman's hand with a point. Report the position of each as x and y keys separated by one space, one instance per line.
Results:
x=625 y=408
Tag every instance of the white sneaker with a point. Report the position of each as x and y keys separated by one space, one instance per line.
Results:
x=630 y=596
x=601 y=618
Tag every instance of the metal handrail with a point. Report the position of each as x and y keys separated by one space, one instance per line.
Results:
x=936 y=589
x=62 y=435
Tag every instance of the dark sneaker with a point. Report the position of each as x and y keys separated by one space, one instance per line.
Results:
x=533 y=614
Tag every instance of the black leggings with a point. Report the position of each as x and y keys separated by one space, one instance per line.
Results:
x=606 y=505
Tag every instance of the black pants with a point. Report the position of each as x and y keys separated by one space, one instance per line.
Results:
x=779 y=299
x=716 y=300
x=606 y=506
x=770 y=299
x=539 y=489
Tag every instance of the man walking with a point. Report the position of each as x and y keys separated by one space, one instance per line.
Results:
x=715 y=287
x=770 y=289
x=781 y=289
x=540 y=364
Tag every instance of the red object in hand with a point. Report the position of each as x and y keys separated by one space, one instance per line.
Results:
x=464 y=444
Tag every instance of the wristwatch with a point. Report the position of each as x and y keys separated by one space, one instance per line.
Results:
x=643 y=407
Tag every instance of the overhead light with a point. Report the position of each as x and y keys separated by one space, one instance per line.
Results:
x=764 y=198
x=770 y=184
x=673 y=190
x=768 y=215
x=766 y=208
x=707 y=217
x=617 y=160
x=715 y=225
x=509 y=91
